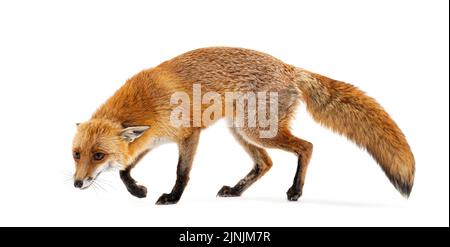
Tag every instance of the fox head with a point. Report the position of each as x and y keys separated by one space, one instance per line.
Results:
x=99 y=145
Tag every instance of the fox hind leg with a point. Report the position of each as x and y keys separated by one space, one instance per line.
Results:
x=286 y=141
x=262 y=165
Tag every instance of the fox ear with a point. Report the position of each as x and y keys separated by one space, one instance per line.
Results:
x=131 y=133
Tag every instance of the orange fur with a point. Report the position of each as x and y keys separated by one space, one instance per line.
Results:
x=145 y=100
x=348 y=111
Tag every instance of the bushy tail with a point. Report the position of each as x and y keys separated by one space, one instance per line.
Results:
x=348 y=111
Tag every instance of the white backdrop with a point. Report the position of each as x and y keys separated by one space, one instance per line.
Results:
x=60 y=60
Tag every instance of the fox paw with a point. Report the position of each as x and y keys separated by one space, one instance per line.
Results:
x=228 y=191
x=138 y=191
x=166 y=199
x=293 y=194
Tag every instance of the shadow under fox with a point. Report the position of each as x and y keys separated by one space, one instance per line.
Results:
x=137 y=118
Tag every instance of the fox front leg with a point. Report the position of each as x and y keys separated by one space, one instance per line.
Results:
x=187 y=149
x=136 y=190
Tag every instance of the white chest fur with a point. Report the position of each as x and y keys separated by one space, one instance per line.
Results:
x=158 y=141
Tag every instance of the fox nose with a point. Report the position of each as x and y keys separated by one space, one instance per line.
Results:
x=78 y=184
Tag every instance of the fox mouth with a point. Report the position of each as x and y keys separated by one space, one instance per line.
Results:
x=89 y=181
x=87 y=184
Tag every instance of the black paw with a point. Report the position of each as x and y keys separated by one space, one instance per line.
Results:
x=166 y=199
x=138 y=191
x=228 y=191
x=293 y=194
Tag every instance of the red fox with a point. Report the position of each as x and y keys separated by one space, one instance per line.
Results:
x=138 y=117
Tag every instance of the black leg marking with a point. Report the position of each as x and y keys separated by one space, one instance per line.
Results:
x=182 y=180
x=242 y=185
x=262 y=164
x=295 y=191
x=139 y=191
x=187 y=150
x=136 y=190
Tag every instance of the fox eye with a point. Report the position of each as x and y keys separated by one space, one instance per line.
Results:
x=98 y=156
x=76 y=155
